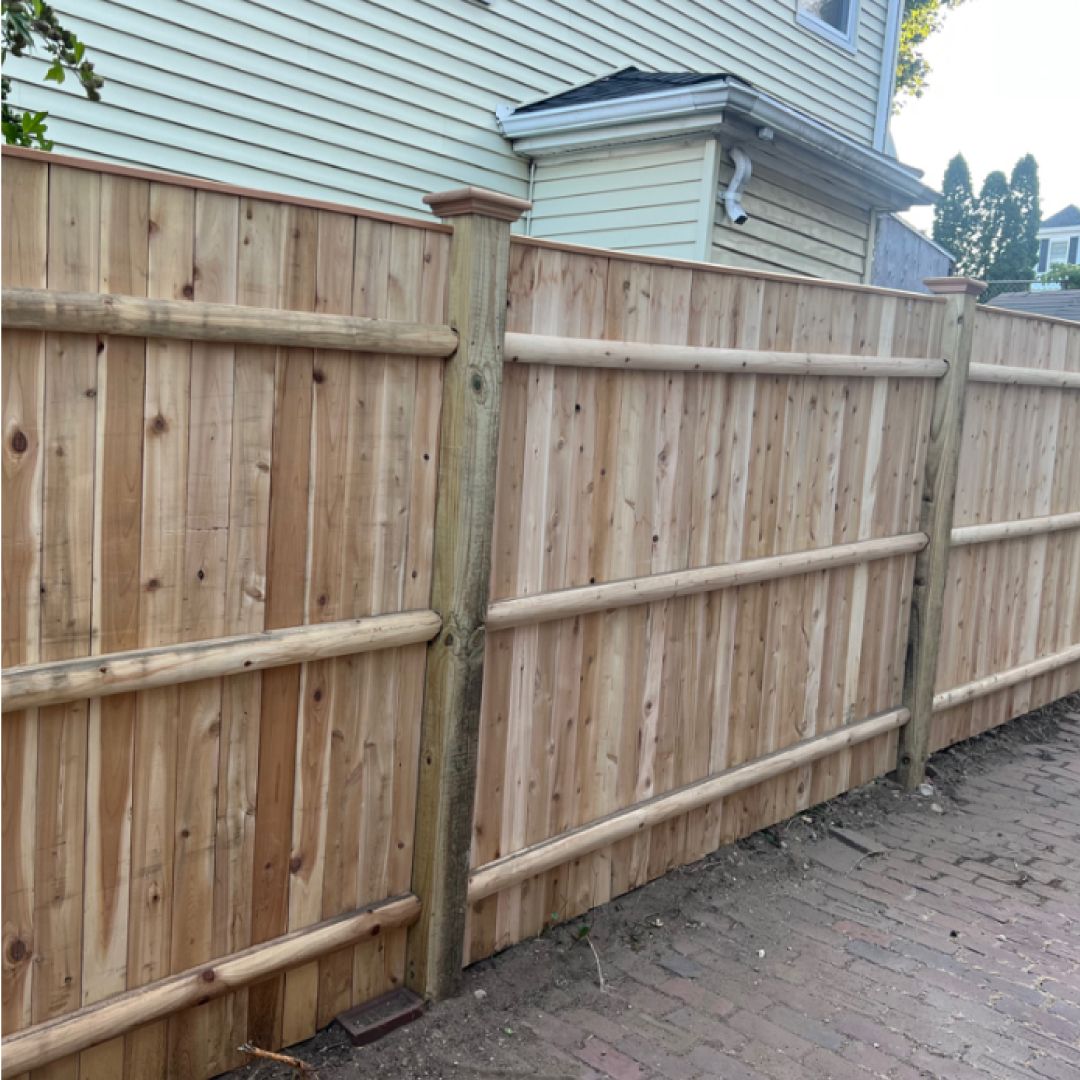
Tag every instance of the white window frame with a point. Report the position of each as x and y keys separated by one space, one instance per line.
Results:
x=848 y=41
x=1050 y=260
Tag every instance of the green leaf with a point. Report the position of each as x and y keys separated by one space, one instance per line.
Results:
x=55 y=73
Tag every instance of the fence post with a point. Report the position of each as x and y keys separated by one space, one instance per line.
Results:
x=468 y=444
x=936 y=520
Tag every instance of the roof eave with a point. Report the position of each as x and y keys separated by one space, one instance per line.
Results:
x=673 y=103
x=697 y=110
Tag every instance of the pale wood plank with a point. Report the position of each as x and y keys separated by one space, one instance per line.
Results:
x=194 y=1045
x=24 y=240
x=66 y=584
x=351 y=569
x=125 y=208
x=166 y=419
x=267 y=276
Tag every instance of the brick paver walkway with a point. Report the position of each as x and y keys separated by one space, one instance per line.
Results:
x=953 y=953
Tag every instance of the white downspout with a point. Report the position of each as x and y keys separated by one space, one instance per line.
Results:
x=527 y=229
x=733 y=206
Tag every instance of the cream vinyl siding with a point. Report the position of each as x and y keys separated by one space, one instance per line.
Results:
x=378 y=102
x=645 y=199
x=794 y=225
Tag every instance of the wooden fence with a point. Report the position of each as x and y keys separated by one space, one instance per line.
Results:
x=162 y=491
x=1012 y=602
x=252 y=517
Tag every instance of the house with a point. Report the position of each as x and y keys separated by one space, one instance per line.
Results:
x=1059 y=239
x=1058 y=304
x=749 y=132
x=904 y=257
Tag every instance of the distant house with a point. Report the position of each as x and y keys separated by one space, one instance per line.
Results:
x=749 y=132
x=1063 y=304
x=1059 y=239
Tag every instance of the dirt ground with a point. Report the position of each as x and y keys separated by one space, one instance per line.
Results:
x=481 y=1033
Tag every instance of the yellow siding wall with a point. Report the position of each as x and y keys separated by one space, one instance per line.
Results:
x=378 y=102
x=795 y=225
x=646 y=199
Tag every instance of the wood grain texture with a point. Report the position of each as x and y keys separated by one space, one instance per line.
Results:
x=47 y=1042
x=936 y=521
x=124 y=265
x=245 y=538
x=565 y=351
x=168 y=503
x=460 y=580
x=614 y=481
x=24 y=240
x=1012 y=595
x=203 y=321
x=66 y=605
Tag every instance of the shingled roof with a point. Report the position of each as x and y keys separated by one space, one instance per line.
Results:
x=1063 y=218
x=1060 y=304
x=629 y=82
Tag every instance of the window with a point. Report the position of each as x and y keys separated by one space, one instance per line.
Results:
x=1059 y=252
x=835 y=20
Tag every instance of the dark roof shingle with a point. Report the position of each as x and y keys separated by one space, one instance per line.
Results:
x=1063 y=218
x=629 y=82
x=1059 y=304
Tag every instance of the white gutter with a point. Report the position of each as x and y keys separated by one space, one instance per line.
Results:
x=887 y=81
x=676 y=101
x=768 y=112
x=700 y=109
x=605 y=136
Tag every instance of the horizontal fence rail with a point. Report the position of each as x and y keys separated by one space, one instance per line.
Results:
x=1011 y=530
x=136 y=316
x=1002 y=680
x=34 y=685
x=1024 y=376
x=521 y=865
x=565 y=603
x=639 y=356
x=47 y=1042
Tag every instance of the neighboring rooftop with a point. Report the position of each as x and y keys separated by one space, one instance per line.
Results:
x=1063 y=218
x=1062 y=304
x=627 y=82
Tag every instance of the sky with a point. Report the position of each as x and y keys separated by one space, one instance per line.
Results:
x=1004 y=83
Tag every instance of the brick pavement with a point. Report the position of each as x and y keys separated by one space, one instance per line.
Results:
x=955 y=953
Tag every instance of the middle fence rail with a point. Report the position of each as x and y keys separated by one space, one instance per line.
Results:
x=348 y=637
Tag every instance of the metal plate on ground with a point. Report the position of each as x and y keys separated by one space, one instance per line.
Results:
x=857 y=840
x=374 y=1019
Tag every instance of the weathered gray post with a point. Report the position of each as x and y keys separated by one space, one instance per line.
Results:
x=469 y=438
x=936 y=520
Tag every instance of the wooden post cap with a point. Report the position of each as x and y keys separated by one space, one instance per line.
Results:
x=479 y=201
x=953 y=286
